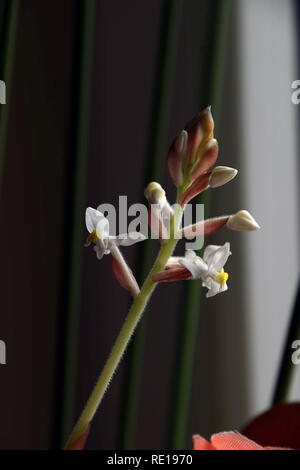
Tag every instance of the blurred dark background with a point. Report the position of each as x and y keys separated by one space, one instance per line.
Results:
x=96 y=92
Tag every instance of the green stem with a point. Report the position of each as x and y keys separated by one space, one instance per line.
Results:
x=126 y=332
x=7 y=49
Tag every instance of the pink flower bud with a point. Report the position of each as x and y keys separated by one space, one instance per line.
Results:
x=195 y=137
x=207 y=159
x=199 y=185
x=176 y=156
x=204 y=118
x=123 y=273
x=173 y=274
x=200 y=131
x=204 y=227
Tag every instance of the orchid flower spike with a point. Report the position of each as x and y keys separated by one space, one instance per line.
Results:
x=210 y=268
x=192 y=154
x=105 y=244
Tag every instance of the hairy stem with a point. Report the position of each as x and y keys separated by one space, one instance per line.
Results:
x=126 y=332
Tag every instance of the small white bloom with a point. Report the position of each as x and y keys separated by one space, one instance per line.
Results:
x=98 y=226
x=210 y=268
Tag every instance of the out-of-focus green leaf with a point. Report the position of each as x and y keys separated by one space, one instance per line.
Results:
x=190 y=304
x=158 y=135
x=8 y=32
x=79 y=146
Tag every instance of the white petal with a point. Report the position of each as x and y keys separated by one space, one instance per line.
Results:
x=196 y=266
x=102 y=228
x=190 y=254
x=209 y=250
x=92 y=217
x=217 y=258
x=224 y=288
x=213 y=288
x=128 y=239
x=107 y=243
x=101 y=249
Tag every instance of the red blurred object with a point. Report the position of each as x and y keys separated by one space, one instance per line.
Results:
x=280 y=426
x=229 y=440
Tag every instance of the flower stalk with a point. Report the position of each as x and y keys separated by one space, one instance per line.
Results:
x=128 y=328
x=188 y=164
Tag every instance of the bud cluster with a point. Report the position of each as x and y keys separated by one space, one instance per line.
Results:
x=192 y=154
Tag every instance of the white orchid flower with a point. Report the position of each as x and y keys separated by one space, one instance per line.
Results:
x=210 y=268
x=105 y=244
x=98 y=226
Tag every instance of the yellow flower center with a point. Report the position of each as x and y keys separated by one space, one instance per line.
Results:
x=221 y=277
x=93 y=237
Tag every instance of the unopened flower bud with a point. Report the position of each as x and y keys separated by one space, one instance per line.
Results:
x=205 y=119
x=200 y=132
x=204 y=227
x=242 y=221
x=195 y=139
x=181 y=142
x=154 y=192
x=221 y=175
x=158 y=196
x=199 y=185
x=159 y=209
x=206 y=158
x=176 y=157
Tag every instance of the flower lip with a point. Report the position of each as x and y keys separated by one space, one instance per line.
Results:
x=93 y=237
x=221 y=277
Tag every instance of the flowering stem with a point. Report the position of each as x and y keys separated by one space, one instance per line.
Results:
x=126 y=332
